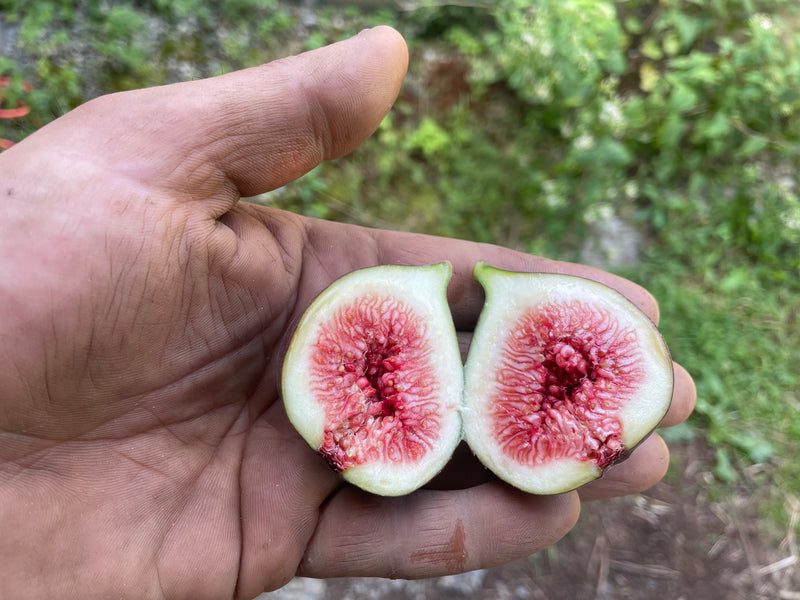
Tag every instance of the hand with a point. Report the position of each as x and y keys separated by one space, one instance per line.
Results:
x=143 y=449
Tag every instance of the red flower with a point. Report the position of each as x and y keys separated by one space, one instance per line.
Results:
x=20 y=110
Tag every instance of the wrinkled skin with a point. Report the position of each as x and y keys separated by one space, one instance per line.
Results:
x=144 y=451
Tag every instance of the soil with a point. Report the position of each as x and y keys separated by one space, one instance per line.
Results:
x=673 y=542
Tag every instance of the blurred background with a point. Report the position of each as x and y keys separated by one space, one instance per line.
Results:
x=659 y=139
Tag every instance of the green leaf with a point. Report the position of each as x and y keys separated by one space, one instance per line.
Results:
x=429 y=138
x=672 y=45
x=683 y=98
x=683 y=433
x=735 y=280
x=633 y=25
x=752 y=146
x=615 y=62
x=648 y=77
x=652 y=50
x=723 y=470
x=670 y=133
x=614 y=152
x=606 y=152
x=758 y=450
x=712 y=129
x=688 y=28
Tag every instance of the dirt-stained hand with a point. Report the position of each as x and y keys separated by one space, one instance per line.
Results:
x=144 y=451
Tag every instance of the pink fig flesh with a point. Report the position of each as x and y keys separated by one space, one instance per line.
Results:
x=566 y=370
x=372 y=371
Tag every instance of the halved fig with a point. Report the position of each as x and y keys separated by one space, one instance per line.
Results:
x=564 y=377
x=373 y=380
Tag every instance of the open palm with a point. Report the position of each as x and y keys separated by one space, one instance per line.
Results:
x=143 y=449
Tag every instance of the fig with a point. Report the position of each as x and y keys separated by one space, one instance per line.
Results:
x=373 y=380
x=564 y=377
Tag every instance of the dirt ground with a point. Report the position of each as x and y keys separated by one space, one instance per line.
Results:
x=673 y=542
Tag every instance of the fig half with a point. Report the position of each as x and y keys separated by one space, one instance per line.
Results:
x=373 y=380
x=564 y=377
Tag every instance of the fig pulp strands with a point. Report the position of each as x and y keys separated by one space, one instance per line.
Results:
x=564 y=377
x=373 y=379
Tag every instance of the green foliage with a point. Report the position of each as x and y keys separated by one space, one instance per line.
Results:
x=71 y=51
x=701 y=104
x=739 y=337
x=226 y=12
x=119 y=30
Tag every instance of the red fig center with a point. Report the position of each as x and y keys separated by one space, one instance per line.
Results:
x=373 y=374
x=566 y=367
x=377 y=367
x=566 y=371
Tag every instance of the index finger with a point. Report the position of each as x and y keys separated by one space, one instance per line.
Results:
x=432 y=533
x=466 y=295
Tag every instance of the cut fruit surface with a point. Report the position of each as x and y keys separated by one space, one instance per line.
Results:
x=564 y=377
x=372 y=378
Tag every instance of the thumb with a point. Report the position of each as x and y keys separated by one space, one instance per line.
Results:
x=249 y=131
